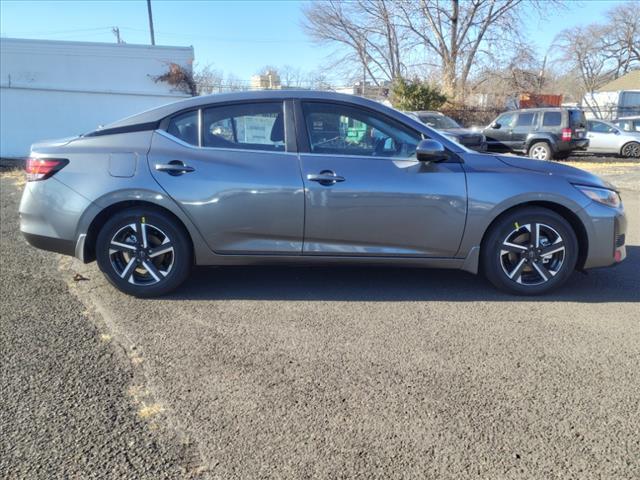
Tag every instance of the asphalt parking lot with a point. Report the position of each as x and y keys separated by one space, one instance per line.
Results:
x=319 y=373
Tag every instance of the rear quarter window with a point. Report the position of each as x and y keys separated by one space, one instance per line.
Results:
x=577 y=119
x=552 y=119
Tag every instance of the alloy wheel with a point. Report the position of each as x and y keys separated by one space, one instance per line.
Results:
x=631 y=150
x=141 y=254
x=532 y=254
x=539 y=153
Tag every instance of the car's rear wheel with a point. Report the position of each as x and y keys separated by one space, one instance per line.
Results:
x=529 y=251
x=143 y=252
x=631 y=150
x=540 y=151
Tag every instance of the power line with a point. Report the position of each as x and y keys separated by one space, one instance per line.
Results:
x=79 y=30
x=222 y=39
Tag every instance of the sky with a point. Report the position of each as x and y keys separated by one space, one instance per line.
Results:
x=237 y=37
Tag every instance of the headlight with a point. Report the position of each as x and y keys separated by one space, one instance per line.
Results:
x=601 y=195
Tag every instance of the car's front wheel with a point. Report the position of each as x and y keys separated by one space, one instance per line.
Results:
x=143 y=252
x=631 y=150
x=529 y=251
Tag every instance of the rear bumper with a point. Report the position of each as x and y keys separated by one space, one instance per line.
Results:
x=581 y=144
x=49 y=215
x=58 y=245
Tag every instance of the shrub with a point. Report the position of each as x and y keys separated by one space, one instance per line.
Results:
x=415 y=95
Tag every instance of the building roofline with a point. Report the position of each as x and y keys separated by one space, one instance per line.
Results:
x=94 y=44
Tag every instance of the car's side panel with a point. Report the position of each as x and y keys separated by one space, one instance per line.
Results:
x=384 y=207
x=86 y=186
x=243 y=201
x=494 y=189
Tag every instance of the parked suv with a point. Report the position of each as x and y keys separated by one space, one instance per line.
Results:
x=451 y=129
x=540 y=133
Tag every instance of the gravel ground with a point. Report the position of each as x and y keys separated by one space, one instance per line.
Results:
x=69 y=404
x=347 y=372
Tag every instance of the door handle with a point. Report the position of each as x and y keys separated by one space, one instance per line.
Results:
x=325 y=177
x=174 y=167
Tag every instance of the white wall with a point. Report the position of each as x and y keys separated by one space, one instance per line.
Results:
x=51 y=89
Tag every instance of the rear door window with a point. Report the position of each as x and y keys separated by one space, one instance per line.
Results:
x=525 y=120
x=552 y=119
x=251 y=126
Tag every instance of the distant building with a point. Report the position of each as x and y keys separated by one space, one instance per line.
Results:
x=270 y=80
x=53 y=89
x=618 y=98
x=369 y=90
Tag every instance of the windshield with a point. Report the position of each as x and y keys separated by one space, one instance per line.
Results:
x=438 y=121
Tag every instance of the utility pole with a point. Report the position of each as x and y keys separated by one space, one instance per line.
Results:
x=116 y=32
x=153 y=38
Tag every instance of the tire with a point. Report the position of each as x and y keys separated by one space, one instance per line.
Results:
x=540 y=151
x=144 y=272
x=512 y=266
x=631 y=150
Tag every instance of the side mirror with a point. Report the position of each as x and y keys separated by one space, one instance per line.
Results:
x=431 y=151
x=495 y=125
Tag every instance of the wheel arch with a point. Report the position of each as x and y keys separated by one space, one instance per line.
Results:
x=540 y=138
x=89 y=248
x=626 y=144
x=566 y=213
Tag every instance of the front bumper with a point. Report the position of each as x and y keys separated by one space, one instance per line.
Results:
x=606 y=231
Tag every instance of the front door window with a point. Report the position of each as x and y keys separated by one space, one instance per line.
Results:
x=336 y=129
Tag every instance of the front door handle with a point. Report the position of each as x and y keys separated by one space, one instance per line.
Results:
x=174 y=167
x=325 y=177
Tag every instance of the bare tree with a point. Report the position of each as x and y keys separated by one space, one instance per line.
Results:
x=390 y=39
x=621 y=39
x=208 y=79
x=291 y=77
x=365 y=30
x=459 y=32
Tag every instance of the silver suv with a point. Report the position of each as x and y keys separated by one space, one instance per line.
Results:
x=309 y=177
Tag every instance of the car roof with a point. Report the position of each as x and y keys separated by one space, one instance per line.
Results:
x=544 y=109
x=161 y=112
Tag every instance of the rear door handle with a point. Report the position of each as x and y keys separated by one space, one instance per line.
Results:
x=174 y=167
x=325 y=177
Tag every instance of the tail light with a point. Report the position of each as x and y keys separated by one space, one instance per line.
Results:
x=43 y=168
x=566 y=134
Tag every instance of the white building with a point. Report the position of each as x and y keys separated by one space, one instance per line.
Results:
x=54 y=89
x=618 y=98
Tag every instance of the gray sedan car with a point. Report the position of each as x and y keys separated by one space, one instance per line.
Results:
x=607 y=138
x=302 y=177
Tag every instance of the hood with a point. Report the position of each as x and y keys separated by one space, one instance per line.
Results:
x=460 y=131
x=572 y=174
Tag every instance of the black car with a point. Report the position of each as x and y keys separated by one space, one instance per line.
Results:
x=451 y=129
x=540 y=133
